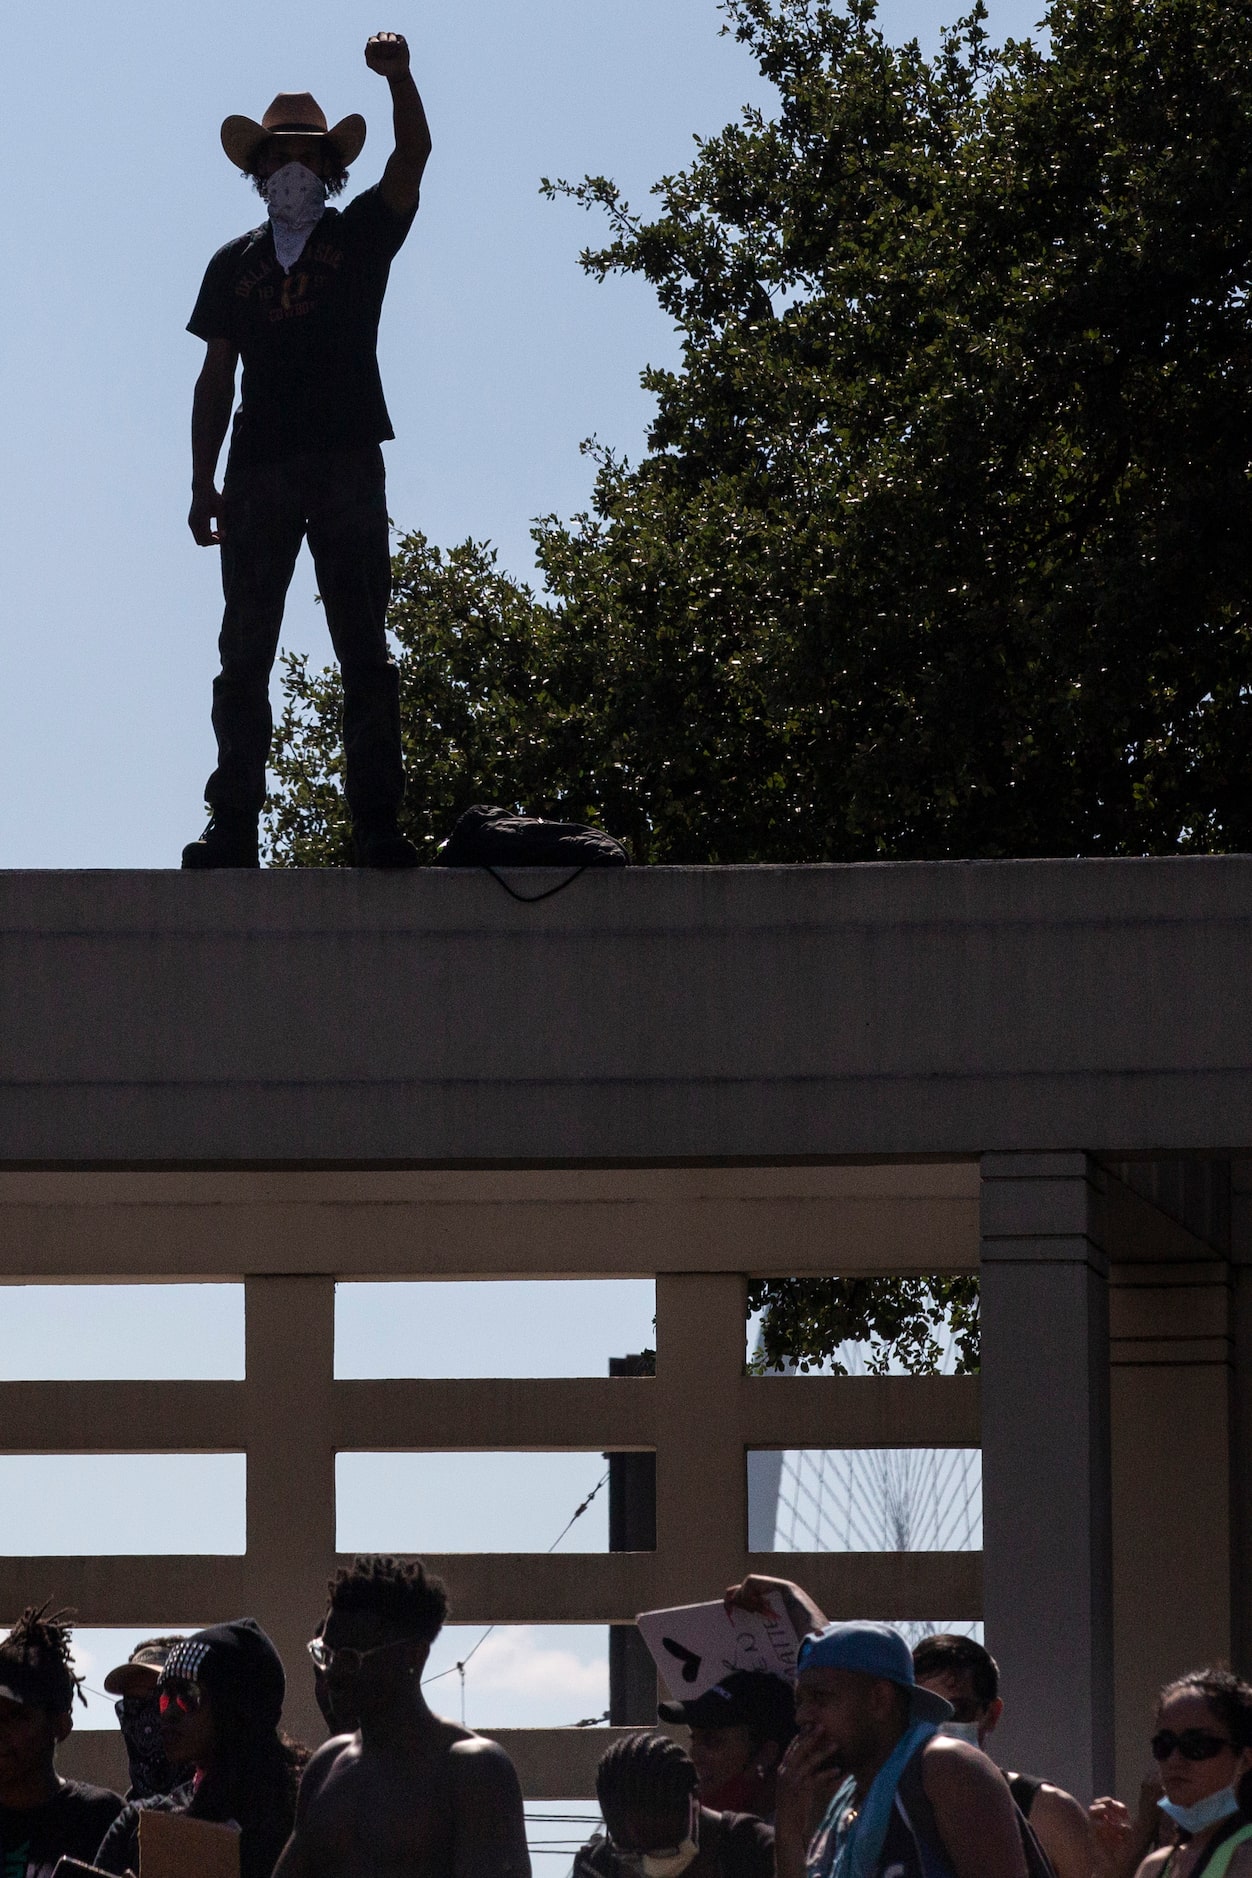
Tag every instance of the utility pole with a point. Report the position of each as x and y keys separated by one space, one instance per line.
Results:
x=632 y=1528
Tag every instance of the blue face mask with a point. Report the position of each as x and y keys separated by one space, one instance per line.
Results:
x=1204 y=1813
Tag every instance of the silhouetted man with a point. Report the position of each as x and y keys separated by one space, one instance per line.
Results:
x=299 y=300
x=409 y=1795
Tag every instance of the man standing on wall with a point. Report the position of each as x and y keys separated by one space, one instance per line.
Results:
x=298 y=300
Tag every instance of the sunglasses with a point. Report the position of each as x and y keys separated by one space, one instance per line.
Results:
x=1194 y=1744
x=186 y=1697
x=348 y=1662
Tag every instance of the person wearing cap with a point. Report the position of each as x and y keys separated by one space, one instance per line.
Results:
x=740 y=1729
x=969 y=1676
x=220 y=1695
x=138 y=1712
x=410 y=1791
x=43 y=1817
x=911 y=1802
x=298 y=300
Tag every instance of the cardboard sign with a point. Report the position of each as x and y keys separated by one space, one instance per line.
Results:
x=695 y=1645
x=173 y=1846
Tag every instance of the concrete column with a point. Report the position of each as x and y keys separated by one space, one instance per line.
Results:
x=701 y=1472
x=290 y=1340
x=1171 y=1442
x=1047 y=1596
x=1241 y=1414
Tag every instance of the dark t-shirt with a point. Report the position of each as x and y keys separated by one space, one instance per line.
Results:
x=71 y=1825
x=742 y=1846
x=308 y=338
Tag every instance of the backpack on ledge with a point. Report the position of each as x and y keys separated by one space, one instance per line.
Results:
x=492 y=837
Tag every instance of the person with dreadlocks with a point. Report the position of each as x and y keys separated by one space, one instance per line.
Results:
x=409 y=1795
x=43 y=1818
x=220 y=1696
x=655 y=1825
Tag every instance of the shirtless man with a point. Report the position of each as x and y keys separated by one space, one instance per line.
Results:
x=969 y=1677
x=409 y=1795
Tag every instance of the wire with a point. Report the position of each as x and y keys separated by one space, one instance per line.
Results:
x=459 y=1669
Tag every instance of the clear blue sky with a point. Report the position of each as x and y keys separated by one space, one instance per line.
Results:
x=499 y=356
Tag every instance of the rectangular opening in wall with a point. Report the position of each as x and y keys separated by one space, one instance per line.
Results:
x=865 y=1500
x=69 y=1505
x=914 y=1632
x=487 y=1327
x=520 y=1675
x=122 y=1333
x=556 y=1830
x=883 y=1326
x=98 y=1649
x=471 y=1502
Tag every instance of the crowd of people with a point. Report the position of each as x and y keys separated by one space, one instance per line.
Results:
x=874 y=1765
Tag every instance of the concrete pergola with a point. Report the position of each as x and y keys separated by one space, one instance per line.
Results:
x=1038 y=1070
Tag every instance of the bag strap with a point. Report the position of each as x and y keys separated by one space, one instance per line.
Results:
x=533 y=899
x=1221 y=1848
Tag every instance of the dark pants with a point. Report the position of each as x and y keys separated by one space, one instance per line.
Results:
x=338 y=499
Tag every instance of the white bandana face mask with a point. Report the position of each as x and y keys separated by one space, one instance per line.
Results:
x=296 y=199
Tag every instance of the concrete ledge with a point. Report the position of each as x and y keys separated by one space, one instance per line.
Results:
x=699 y=1014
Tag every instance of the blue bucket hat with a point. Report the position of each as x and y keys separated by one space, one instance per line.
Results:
x=873 y=1650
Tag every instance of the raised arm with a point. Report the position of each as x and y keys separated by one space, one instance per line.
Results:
x=753 y=1595
x=388 y=55
x=210 y=418
x=488 y=1825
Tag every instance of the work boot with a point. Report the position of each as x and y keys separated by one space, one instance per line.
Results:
x=380 y=844
x=228 y=841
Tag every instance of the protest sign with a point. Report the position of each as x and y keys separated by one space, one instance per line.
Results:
x=695 y=1645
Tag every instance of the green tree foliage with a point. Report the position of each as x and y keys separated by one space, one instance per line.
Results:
x=905 y=1322
x=939 y=545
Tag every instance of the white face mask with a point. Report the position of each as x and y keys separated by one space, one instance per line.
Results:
x=671 y=1864
x=961 y=1731
x=297 y=201
x=1210 y=1812
x=295 y=195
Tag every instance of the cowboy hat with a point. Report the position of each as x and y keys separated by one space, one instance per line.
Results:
x=292 y=114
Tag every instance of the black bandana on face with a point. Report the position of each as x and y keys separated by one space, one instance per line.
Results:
x=139 y=1717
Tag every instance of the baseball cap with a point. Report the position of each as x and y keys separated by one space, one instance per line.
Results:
x=747 y=1698
x=236 y=1660
x=873 y=1650
x=141 y=1671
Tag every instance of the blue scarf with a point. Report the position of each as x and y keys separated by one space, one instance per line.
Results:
x=853 y=1851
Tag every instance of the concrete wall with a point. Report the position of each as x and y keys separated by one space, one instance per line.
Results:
x=659 y=1015
x=692 y=1073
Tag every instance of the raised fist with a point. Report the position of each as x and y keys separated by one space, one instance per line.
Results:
x=387 y=54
